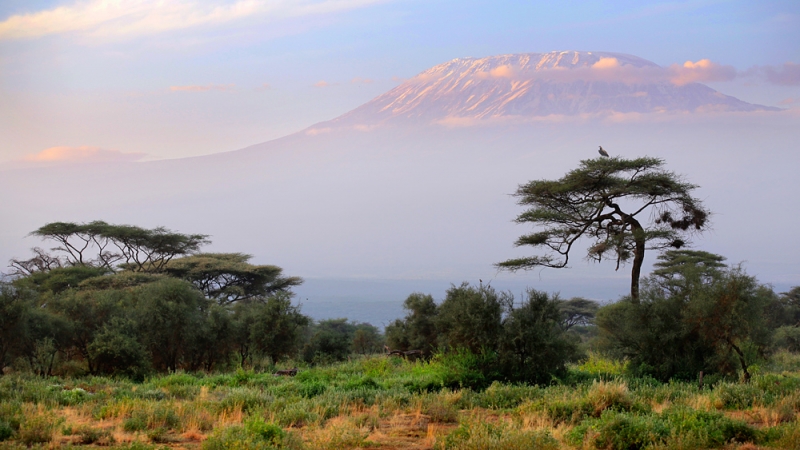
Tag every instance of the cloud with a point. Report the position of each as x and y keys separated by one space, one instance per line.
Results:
x=606 y=63
x=81 y=154
x=787 y=75
x=98 y=18
x=208 y=87
x=321 y=84
x=504 y=71
x=611 y=69
x=789 y=101
x=316 y=131
x=700 y=71
x=361 y=80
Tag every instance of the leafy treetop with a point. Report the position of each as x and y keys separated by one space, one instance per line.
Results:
x=605 y=200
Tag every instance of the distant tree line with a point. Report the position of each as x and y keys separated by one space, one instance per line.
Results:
x=121 y=300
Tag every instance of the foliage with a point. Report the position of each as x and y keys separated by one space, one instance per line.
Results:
x=272 y=327
x=694 y=317
x=788 y=338
x=577 y=311
x=116 y=350
x=330 y=340
x=417 y=331
x=99 y=244
x=604 y=200
x=228 y=277
x=367 y=339
x=535 y=347
x=471 y=318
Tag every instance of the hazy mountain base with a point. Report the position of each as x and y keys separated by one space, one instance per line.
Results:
x=384 y=402
x=424 y=202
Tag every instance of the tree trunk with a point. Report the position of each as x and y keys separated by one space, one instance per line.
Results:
x=740 y=354
x=638 y=258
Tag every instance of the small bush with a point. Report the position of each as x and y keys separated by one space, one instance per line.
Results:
x=254 y=435
x=5 y=430
x=619 y=431
x=88 y=435
x=440 y=412
x=504 y=396
x=736 y=396
x=596 y=364
x=73 y=396
x=604 y=395
x=312 y=389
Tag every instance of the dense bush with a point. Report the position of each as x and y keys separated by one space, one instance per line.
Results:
x=493 y=338
x=693 y=317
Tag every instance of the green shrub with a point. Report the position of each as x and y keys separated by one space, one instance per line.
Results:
x=788 y=338
x=312 y=389
x=254 y=435
x=505 y=396
x=88 y=435
x=711 y=429
x=621 y=431
x=137 y=422
x=737 y=395
x=5 y=430
x=74 y=396
x=11 y=414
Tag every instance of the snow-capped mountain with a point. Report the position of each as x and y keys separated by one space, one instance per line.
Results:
x=540 y=84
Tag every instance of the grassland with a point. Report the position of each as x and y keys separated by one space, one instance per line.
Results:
x=388 y=403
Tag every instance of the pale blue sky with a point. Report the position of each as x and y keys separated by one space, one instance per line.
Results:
x=181 y=78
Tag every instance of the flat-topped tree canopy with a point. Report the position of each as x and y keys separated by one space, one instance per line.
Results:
x=101 y=244
x=229 y=277
x=624 y=205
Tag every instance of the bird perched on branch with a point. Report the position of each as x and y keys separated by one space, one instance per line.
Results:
x=603 y=152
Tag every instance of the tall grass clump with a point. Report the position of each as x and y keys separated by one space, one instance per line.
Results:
x=38 y=426
x=480 y=435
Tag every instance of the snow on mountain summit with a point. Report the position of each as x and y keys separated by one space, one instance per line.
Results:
x=540 y=84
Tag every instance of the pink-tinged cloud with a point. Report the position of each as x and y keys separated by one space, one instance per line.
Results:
x=504 y=71
x=115 y=18
x=787 y=75
x=81 y=154
x=789 y=101
x=205 y=88
x=361 y=80
x=321 y=84
x=606 y=63
x=614 y=70
x=700 y=71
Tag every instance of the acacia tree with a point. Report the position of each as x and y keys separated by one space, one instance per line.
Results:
x=624 y=206
x=105 y=245
x=229 y=277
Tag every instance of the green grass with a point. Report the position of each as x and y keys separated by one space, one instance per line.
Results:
x=374 y=401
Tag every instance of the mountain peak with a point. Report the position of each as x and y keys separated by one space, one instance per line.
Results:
x=565 y=83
